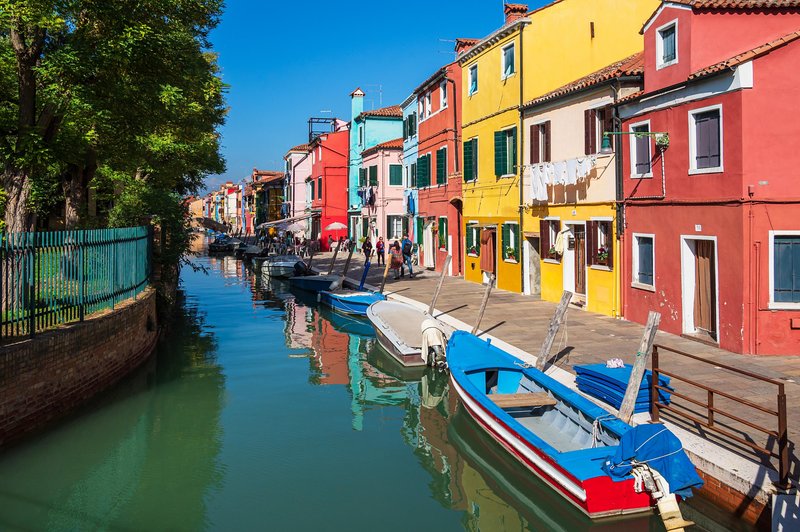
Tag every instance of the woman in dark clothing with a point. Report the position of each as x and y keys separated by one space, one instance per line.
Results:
x=380 y=249
x=366 y=247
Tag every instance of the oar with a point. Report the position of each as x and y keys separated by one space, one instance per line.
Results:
x=385 y=275
x=483 y=304
x=333 y=260
x=439 y=286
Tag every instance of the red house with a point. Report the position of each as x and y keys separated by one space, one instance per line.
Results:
x=328 y=184
x=710 y=171
x=439 y=168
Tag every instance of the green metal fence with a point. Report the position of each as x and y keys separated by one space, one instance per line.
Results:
x=55 y=277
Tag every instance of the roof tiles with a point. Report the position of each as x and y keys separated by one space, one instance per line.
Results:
x=392 y=111
x=736 y=4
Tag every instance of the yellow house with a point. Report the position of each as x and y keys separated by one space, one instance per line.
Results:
x=491 y=96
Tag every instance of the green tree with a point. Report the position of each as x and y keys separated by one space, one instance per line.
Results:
x=128 y=86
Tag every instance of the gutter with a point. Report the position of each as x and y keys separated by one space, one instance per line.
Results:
x=521 y=157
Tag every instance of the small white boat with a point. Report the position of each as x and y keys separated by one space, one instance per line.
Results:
x=283 y=266
x=399 y=329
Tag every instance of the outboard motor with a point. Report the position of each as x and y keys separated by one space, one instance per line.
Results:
x=433 y=343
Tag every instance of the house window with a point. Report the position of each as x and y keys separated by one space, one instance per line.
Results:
x=785 y=268
x=396 y=175
x=508 y=61
x=441 y=166
x=421 y=106
x=428 y=104
x=362 y=177
x=705 y=140
x=311 y=190
x=640 y=151
x=473 y=240
x=443 y=94
x=394 y=227
x=373 y=175
x=596 y=121
x=413 y=124
x=319 y=188
x=319 y=153
x=666 y=45
x=413 y=174
x=473 y=79
x=360 y=135
x=424 y=171
x=510 y=240
x=644 y=261
x=505 y=152
x=540 y=143
x=471 y=159
x=599 y=243
x=548 y=234
x=443 y=233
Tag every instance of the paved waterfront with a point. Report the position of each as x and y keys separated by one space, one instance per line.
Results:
x=522 y=321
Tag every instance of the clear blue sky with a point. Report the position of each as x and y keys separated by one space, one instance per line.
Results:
x=288 y=60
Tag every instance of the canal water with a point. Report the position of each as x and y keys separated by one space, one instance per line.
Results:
x=261 y=411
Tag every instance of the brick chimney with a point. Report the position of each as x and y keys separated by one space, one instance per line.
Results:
x=462 y=45
x=514 y=12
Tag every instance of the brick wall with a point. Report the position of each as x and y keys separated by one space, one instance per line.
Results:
x=49 y=376
x=729 y=499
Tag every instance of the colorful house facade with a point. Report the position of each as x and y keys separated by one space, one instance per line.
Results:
x=410 y=152
x=381 y=177
x=298 y=170
x=367 y=130
x=492 y=93
x=329 y=173
x=268 y=188
x=439 y=168
x=712 y=237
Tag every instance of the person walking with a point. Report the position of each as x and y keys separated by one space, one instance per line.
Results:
x=366 y=247
x=380 y=248
x=407 y=248
x=396 y=259
x=330 y=242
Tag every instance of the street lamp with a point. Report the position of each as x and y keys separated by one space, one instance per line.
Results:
x=662 y=139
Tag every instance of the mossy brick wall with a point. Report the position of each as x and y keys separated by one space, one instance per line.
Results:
x=47 y=377
x=749 y=510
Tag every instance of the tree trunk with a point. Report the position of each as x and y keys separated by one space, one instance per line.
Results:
x=18 y=216
x=76 y=188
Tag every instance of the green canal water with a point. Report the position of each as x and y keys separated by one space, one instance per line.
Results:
x=261 y=411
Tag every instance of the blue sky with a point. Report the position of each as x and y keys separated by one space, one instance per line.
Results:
x=288 y=60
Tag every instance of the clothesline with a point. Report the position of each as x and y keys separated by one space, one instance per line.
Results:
x=567 y=172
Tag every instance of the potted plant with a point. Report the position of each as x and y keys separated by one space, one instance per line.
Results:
x=511 y=253
x=473 y=250
x=602 y=255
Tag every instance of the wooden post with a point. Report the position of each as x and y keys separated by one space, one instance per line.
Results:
x=485 y=300
x=333 y=260
x=639 y=365
x=310 y=258
x=385 y=275
x=347 y=264
x=555 y=325
x=439 y=286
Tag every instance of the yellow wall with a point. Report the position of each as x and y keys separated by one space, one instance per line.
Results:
x=558 y=47
x=488 y=199
x=602 y=285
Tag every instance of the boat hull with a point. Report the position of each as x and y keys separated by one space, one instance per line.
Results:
x=281 y=271
x=350 y=302
x=314 y=283
x=408 y=357
x=406 y=350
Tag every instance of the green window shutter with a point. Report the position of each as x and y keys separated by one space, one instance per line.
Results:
x=312 y=191
x=420 y=229
x=424 y=171
x=420 y=171
x=362 y=177
x=443 y=233
x=395 y=174
x=405 y=224
x=500 y=153
x=515 y=232
x=441 y=166
x=319 y=189
x=475 y=166
x=373 y=176
x=506 y=239
x=468 y=161
x=514 y=150
x=470 y=238
x=413 y=175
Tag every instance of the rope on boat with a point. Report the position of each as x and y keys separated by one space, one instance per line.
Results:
x=596 y=426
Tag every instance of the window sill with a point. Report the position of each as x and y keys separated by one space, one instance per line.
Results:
x=783 y=306
x=659 y=66
x=698 y=171
x=648 y=287
x=552 y=261
x=600 y=267
x=473 y=255
x=642 y=176
x=505 y=77
x=505 y=176
x=510 y=261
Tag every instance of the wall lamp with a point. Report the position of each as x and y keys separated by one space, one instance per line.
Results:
x=662 y=139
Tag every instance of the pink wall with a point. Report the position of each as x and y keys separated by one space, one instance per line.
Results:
x=389 y=198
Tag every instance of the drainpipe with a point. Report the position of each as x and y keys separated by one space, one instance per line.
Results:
x=457 y=143
x=620 y=205
x=520 y=157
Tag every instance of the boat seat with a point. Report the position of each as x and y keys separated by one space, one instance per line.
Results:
x=512 y=400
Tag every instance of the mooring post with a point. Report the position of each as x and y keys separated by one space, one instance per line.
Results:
x=639 y=365
x=347 y=264
x=485 y=300
x=439 y=286
x=385 y=275
x=555 y=325
x=333 y=260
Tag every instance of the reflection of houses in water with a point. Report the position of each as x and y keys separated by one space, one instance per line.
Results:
x=299 y=325
x=231 y=267
x=330 y=349
x=370 y=387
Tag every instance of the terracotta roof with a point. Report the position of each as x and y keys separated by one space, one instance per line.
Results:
x=301 y=147
x=732 y=62
x=736 y=4
x=394 y=111
x=630 y=66
x=394 y=144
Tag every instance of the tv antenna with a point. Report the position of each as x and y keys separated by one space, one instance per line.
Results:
x=380 y=93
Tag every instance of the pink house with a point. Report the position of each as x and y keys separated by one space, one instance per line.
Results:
x=381 y=183
x=298 y=169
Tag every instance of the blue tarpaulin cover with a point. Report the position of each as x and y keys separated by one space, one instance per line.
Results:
x=655 y=445
x=609 y=385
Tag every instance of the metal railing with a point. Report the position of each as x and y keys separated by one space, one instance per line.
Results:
x=57 y=277
x=780 y=435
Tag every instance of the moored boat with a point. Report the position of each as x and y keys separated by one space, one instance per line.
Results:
x=560 y=436
x=398 y=327
x=283 y=266
x=353 y=302
x=315 y=283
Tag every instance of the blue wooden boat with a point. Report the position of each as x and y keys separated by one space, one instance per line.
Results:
x=560 y=436
x=355 y=302
x=315 y=283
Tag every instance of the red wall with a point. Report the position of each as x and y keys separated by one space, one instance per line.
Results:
x=333 y=169
x=442 y=129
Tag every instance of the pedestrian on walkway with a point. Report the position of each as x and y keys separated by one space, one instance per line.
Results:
x=396 y=258
x=380 y=248
x=407 y=248
x=366 y=247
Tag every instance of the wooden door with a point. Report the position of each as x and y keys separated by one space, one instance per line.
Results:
x=705 y=290
x=580 y=259
x=488 y=247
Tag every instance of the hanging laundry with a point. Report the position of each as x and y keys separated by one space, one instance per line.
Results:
x=561 y=241
x=560 y=170
x=572 y=172
x=537 y=178
x=549 y=173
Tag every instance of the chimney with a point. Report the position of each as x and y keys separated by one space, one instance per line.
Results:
x=514 y=12
x=462 y=45
x=356 y=103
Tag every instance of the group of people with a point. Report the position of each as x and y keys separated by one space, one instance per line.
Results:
x=400 y=253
